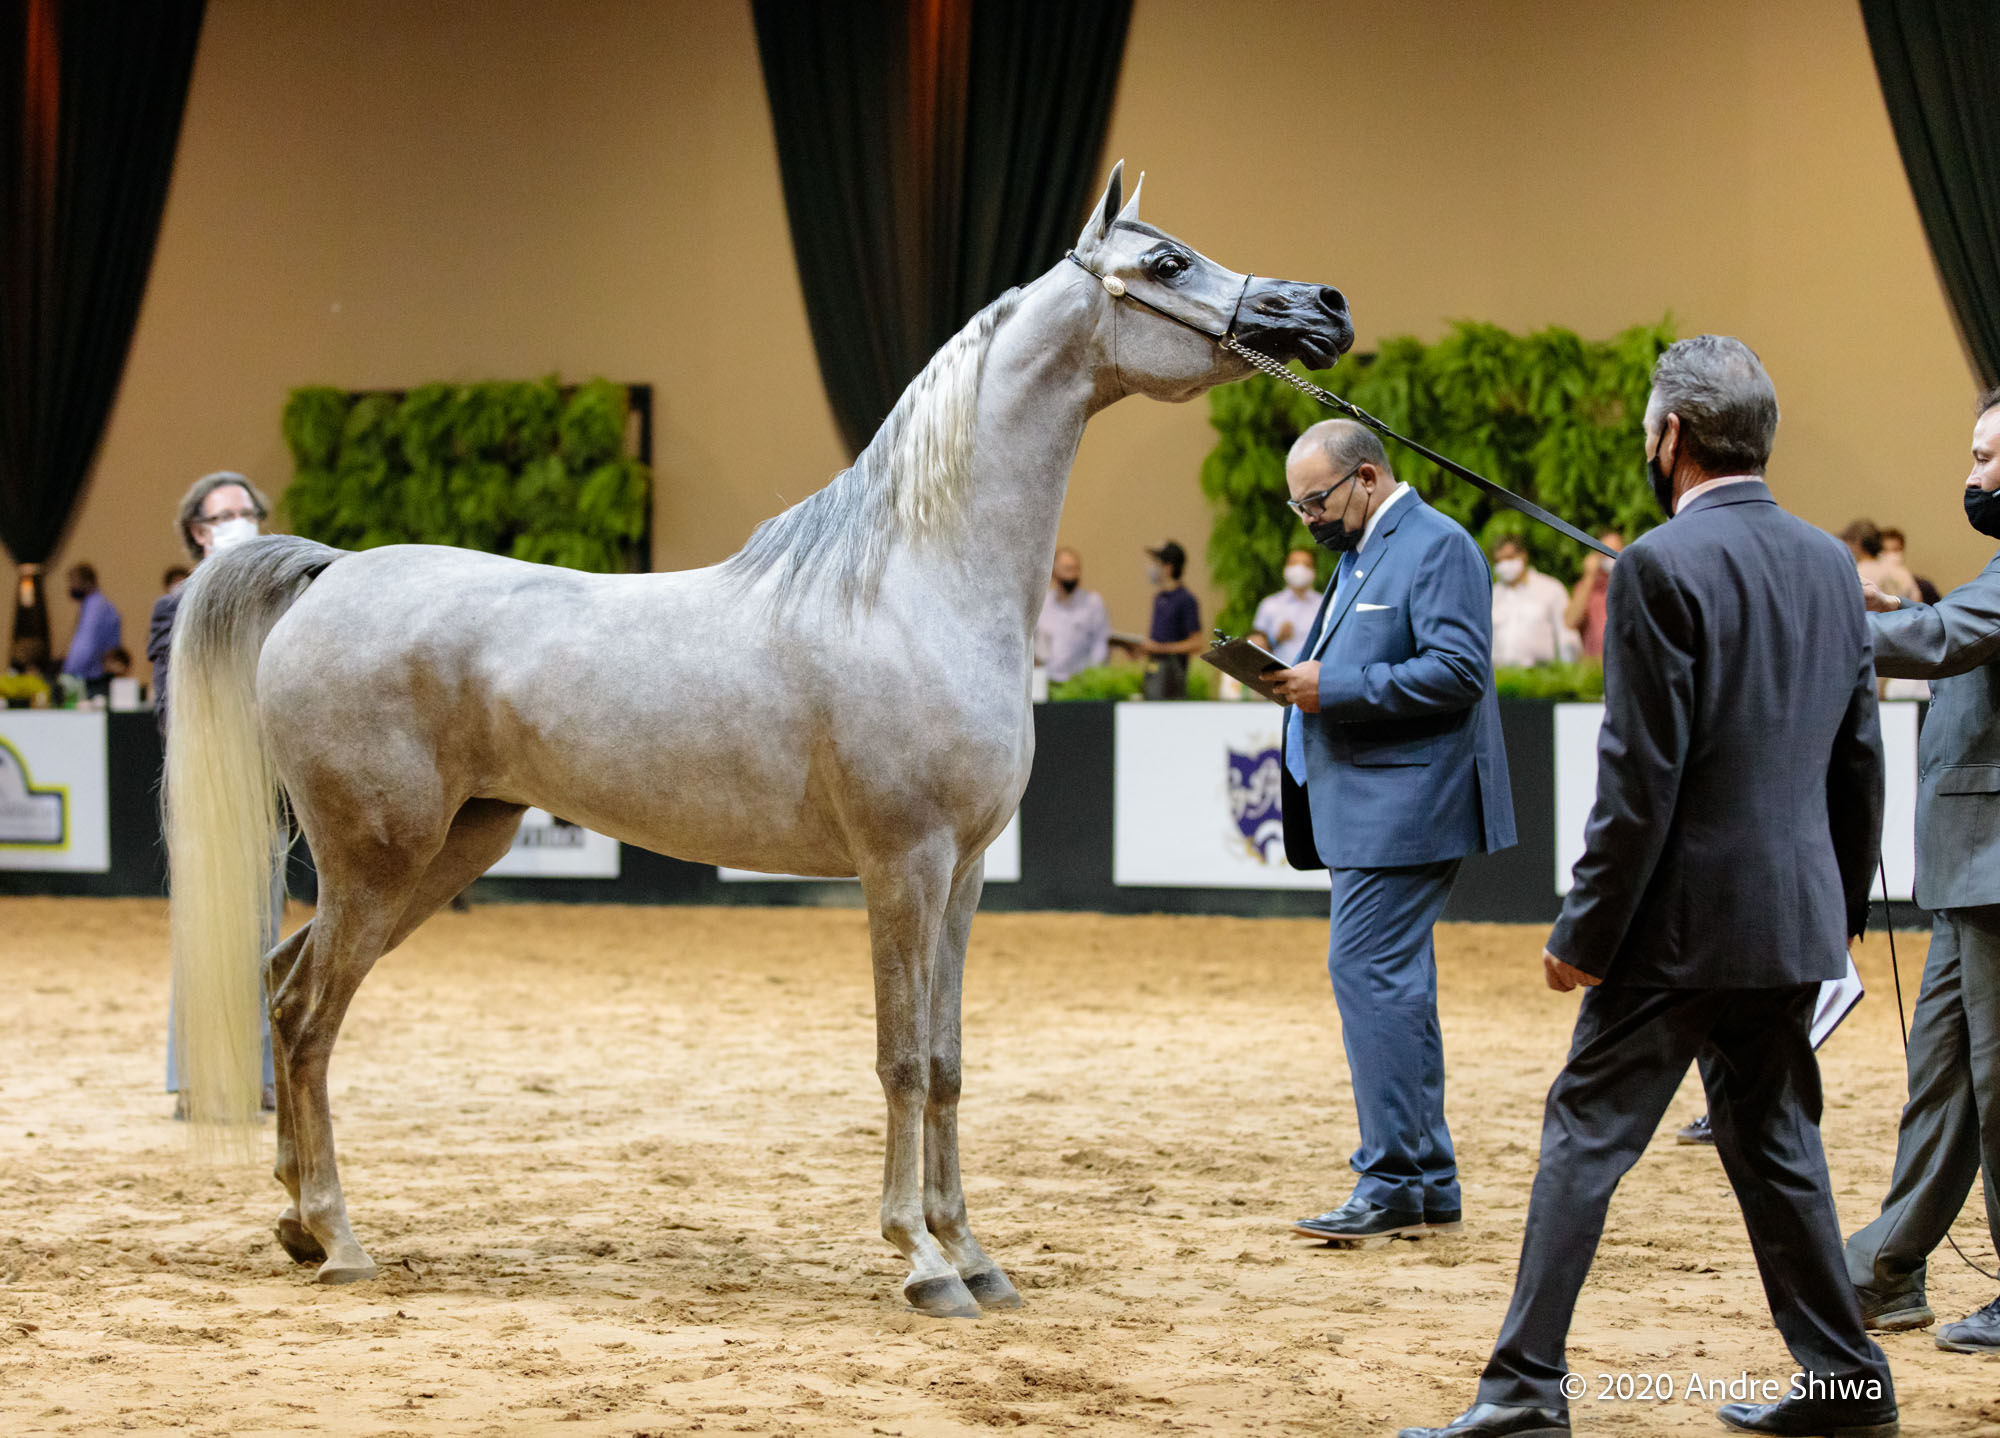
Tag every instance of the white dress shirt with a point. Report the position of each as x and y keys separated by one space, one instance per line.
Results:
x=1528 y=626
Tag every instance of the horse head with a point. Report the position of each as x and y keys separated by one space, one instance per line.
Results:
x=1173 y=305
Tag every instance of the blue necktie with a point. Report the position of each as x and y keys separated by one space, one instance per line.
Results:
x=1295 y=739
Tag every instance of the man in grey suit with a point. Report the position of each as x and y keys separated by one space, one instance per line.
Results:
x=1726 y=865
x=1394 y=771
x=1951 y=1125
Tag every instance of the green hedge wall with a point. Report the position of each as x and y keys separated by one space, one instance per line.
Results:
x=526 y=468
x=1549 y=415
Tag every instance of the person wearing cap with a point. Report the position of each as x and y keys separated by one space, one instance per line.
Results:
x=220 y=511
x=1176 y=628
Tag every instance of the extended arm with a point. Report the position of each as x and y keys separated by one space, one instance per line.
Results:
x=1451 y=622
x=1648 y=704
x=1935 y=641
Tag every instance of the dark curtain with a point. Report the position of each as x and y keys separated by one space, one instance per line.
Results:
x=1939 y=63
x=934 y=153
x=91 y=94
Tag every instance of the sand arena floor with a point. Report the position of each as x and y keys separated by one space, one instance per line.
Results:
x=620 y=1168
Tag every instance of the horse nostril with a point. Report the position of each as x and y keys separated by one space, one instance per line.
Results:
x=1333 y=299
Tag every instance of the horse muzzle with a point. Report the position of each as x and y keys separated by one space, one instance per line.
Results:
x=1290 y=320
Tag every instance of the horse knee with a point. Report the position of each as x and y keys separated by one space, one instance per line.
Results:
x=904 y=1078
x=947 y=1076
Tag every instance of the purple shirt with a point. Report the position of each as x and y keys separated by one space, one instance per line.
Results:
x=96 y=636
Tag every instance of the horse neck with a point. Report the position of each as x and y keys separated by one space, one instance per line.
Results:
x=1044 y=376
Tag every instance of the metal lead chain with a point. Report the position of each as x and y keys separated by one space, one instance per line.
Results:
x=1278 y=371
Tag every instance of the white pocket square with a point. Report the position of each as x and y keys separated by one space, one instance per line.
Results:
x=1373 y=608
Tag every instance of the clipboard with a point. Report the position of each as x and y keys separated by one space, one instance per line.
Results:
x=1245 y=662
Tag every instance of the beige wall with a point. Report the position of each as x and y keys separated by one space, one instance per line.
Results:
x=381 y=194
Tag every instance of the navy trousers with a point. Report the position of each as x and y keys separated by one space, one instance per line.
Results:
x=1384 y=972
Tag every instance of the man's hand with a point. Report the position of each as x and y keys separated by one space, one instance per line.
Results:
x=1285 y=631
x=1877 y=601
x=1563 y=977
x=1299 y=685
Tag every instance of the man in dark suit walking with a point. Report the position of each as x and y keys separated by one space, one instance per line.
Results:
x=1737 y=823
x=1394 y=772
x=1951 y=1125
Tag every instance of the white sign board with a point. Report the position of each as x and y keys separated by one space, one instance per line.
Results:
x=547 y=848
x=1576 y=790
x=1003 y=864
x=55 y=812
x=1196 y=803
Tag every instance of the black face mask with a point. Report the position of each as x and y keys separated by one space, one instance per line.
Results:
x=1661 y=482
x=79 y=595
x=1067 y=586
x=1332 y=534
x=1982 y=511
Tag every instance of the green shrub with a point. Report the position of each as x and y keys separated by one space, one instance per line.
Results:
x=522 y=468
x=1549 y=415
x=1120 y=680
x=1580 y=680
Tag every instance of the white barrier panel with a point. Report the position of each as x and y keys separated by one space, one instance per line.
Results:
x=1003 y=863
x=547 y=848
x=1576 y=789
x=1196 y=799
x=55 y=811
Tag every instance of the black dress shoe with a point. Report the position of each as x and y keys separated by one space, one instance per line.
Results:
x=1809 y=1417
x=1894 y=1312
x=1696 y=1133
x=1444 y=1220
x=1979 y=1333
x=1490 y=1420
x=1358 y=1221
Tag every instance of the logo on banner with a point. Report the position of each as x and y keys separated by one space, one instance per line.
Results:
x=29 y=816
x=1254 y=801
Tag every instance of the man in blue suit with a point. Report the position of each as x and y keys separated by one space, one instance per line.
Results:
x=1394 y=772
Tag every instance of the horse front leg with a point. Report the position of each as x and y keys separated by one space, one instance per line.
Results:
x=907 y=898
x=944 y=1191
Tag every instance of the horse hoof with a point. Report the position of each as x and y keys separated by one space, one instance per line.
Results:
x=945 y=1297
x=991 y=1289
x=297 y=1240
x=350 y=1271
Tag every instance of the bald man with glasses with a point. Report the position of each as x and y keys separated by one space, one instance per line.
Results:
x=1394 y=771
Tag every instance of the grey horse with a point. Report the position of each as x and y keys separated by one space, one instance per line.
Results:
x=848 y=696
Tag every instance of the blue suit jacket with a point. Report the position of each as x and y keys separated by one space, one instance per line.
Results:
x=1404 y=761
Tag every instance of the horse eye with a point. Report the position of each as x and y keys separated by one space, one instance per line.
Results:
x=1169 y=267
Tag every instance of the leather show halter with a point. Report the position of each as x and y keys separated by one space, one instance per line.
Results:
x=1118 y=290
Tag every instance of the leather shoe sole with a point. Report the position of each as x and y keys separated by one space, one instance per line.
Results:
x=1899 y=1320
x=1798 y=1427
x=1378 y=1239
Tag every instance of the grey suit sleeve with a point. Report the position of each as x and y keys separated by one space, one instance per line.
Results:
x=1935 y=641
x=1649 y=634
x=1854 y=784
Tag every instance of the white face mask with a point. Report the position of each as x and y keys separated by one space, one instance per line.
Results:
x=1605 y=562
x=1299 y=576
x=228 y=533
x=1510 y=570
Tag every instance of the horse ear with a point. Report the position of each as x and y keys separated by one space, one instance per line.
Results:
x=1131 y=210
x=1099 y=223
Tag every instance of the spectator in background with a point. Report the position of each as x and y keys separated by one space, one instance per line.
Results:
x=1892 y=553
x=118 y=663
x=220 y=511
x=174 y=578
x=1529 y=609
x=1074 y=631
x=97 y=631
x=1283 y=618
x=1176 y=628
x=1586 y=598
x=1864 y=541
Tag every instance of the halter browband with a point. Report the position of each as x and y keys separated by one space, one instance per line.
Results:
x=1117 y=289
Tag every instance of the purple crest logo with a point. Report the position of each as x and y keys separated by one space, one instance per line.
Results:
x=1254 y=802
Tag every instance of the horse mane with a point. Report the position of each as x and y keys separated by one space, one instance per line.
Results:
x=909 y=484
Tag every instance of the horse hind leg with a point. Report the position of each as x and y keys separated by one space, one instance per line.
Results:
x=482 y=831
x=944 y=1191
x=907 y=896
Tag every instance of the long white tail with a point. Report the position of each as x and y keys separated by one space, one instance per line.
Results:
x=223 y=816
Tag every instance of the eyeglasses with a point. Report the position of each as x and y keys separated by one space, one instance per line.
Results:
x=228 y=514
x=1314 y=505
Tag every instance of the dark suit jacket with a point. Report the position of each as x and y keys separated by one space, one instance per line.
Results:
x=1954 y=644
x=1739 y=777
x=159 y=646
x=1404 y=761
